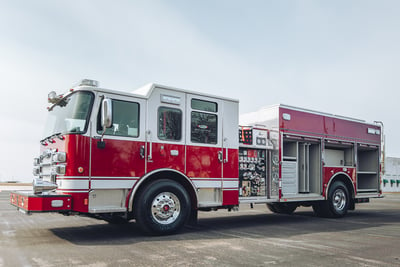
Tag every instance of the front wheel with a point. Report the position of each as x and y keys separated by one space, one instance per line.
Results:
x=162 y=207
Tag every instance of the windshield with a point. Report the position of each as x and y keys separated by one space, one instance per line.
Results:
x=70 y=115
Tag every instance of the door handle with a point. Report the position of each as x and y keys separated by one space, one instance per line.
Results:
x=142 y=152
x=226 y=150
x=150 y=155
x=220 y=156
x=226 y=155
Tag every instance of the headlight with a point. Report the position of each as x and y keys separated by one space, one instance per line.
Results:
x=36 y=161
x=58 y=169
x=60 y=157
x=36 y=171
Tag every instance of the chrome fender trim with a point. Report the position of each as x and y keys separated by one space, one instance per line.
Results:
x=148 y=175
x=333 y=178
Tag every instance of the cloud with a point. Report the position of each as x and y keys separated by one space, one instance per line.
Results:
x=336 y=57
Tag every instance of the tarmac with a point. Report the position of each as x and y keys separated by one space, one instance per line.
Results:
x=15 y=186
x=368 y=236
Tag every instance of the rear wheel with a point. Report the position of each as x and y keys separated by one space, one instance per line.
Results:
x=338 y=202
x=282 y=208
x=162 y=207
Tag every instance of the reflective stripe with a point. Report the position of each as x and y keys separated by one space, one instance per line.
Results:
x=112 y=184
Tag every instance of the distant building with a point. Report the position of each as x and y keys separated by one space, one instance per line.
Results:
x=391 y=178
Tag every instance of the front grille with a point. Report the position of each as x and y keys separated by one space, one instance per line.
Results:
x=45 y=165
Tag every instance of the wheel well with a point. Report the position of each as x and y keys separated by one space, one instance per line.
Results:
x=346 y=180
x=167 y=174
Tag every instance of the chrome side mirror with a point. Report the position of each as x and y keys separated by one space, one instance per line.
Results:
x=106 y=120
x=106 y=113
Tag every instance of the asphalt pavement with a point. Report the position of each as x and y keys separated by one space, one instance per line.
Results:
x=368 y=236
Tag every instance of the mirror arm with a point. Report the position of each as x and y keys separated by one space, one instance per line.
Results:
x=101 y=144
x=105 y=112
x=102 y=135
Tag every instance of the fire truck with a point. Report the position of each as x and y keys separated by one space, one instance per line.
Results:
x=160 y=154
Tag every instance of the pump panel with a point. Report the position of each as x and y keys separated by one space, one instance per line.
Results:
x=252 y=172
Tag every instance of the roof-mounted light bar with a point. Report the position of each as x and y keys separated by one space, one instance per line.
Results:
x=88 y=82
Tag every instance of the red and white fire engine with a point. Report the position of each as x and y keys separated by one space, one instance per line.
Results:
x=161 y=154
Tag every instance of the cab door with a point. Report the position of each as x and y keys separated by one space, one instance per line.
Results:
x=121 y=161
x=204 y=151
x=164 y=136
x=118 y=164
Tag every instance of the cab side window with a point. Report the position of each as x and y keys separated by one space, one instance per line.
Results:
x=125 y=119
x=204 y=125
x=169 y=124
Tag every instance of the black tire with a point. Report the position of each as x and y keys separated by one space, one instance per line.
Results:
x=338 y=202
x=162 y=207
x=321 y=208
x=272 y=208
x=111 y=219
x=282 y=208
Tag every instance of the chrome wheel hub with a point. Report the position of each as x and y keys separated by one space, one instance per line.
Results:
x=339 y=199
x=165 y=208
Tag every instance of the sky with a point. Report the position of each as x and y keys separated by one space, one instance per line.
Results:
x=340 y=57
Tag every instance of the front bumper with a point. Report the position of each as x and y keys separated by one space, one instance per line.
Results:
x=28 y=202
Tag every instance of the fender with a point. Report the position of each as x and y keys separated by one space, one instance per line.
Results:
x=333 y=178
x=150 y=174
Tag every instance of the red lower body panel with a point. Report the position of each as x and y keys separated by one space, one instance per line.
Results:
x=51 y=202
x=230 y=197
